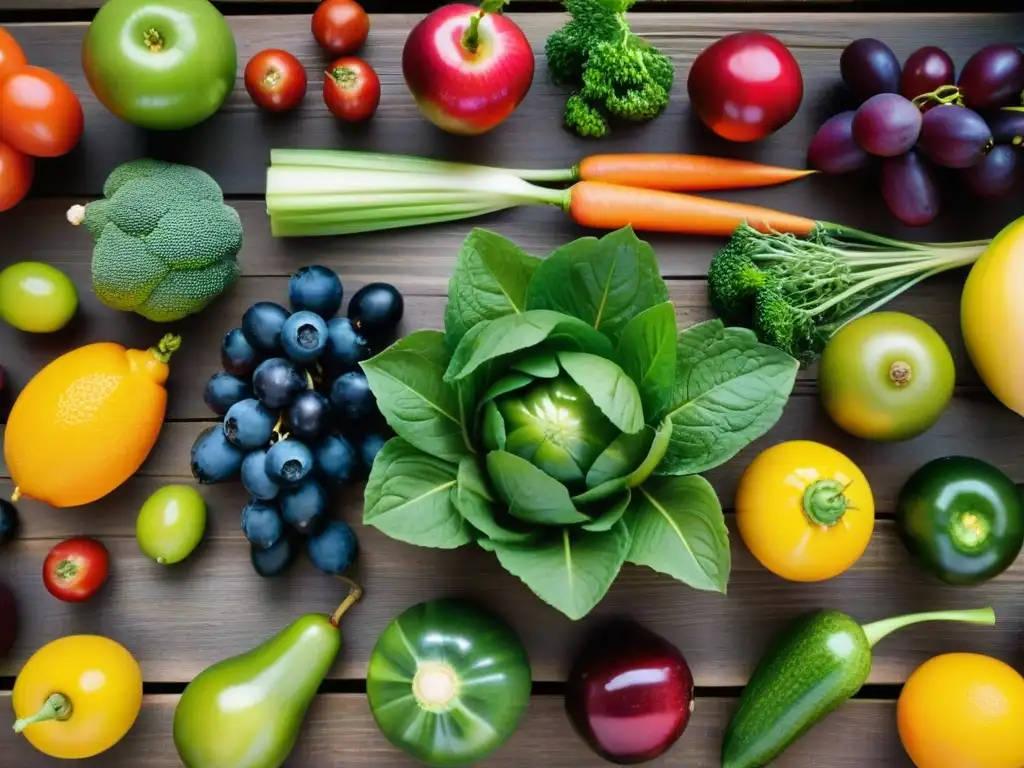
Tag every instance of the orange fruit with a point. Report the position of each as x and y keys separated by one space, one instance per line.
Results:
x=963 y=710
x=86 y=422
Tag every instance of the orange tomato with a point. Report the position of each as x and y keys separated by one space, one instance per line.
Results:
x=805 y=511
x=963 y=710
x=39 y=113
x=16 y=172
x=11 y=55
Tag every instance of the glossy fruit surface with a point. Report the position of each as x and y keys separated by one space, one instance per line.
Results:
x=262 y=524
x=40 y=114
x=304 y=507
x=340 y=26
x=376 y=309
x=369 y=448
x=277 y=382
x=346 y=347
x=315 y=288
x=10 y=522
x=955 y=137
x=36 y=297
x=162 y=64
x=274 y=560
x=869 y=67
x=12 y=57
x=237 y=355
x=309 y=417
x=909 y=189
x=992 y=316
x=1007 y=126
x=833 y=148
x=171 y=523
x=887 y=376
x=463 y=88
x=962 y=519
x=303 y=337
x=76 y=569
x=887 y=125
x=926 y=70
x=352 y=400
x=351 y=89
x=448 y=682
x=996 y=175
x=223 y=390
x=962 y=709
x=100 y=680
x=333 y=549
x=745 y=86
x=67 y=457
x=335 y=459
x=630 y=694
x=213 y=459
x=8 y=620
x=262 y=323
x=16 y=173
x=249 y=425
x=255 y=479
x=289 y=461
x=992 y=77
x=276 y=80
x=804 y=510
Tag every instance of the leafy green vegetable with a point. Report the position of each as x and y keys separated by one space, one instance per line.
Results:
x=542 y=423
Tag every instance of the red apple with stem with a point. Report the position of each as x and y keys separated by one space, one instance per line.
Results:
x=468 y=67
x=630 y=694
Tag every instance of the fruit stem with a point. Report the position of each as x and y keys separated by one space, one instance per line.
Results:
x=944 y=95
x=471 y=40
x=16 y=495
x=57 y=707
x=354 y=593
x=153 y=40
x=879 y=629
x=825 y=503
x=309 y=381
x=168 y=345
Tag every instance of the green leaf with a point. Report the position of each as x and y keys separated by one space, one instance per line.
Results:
x=730 y=389
x=647 y=353
x=657 y=451
x=493 y=427
x=494 y=339
x=531 y=495
x=608 y=386
x=570 y=570
x=490 y=280
x=609 y=512
x=605 y=282
x=408 y=497
x=621 y=457
x=510 y=382
x=540 y=366
x=678 y=529
x=407 y=380
x=473 y=499
x=599 y=492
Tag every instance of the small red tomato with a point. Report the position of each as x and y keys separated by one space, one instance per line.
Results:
x=340 y=26
x=11 y=55
x=351 y=89
x=275 y=80
x=39 y=113
x=75 y=569
x=16 y=171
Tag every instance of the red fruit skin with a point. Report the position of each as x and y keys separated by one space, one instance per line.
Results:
x=276 y=80
x=90 y=562
x=630 y=694
x=460 y=91
x=925 y=70
x=351 y=89
x=8 y=620
x=745 y=86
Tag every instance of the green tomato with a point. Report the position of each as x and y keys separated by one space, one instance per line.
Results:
x=171 y=523
x=886 y=376
x=962 y=518
x=160 y=64
x=448 y=683
x=36 y=297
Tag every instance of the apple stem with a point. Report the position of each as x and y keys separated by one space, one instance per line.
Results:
x=471 y=40
x=153 y=40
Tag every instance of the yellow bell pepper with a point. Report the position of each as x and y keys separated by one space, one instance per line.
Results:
x=77 y=696
x=805 y=511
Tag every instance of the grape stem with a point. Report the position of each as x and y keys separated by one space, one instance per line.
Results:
x=945 y=95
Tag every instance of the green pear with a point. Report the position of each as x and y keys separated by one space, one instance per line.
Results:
x=246 y=711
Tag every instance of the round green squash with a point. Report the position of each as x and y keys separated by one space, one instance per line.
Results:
x=448 y=682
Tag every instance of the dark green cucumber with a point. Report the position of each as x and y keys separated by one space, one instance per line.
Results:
x=814 y=666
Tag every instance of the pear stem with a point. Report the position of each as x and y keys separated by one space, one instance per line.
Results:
x=57 y=707
x=354 y=593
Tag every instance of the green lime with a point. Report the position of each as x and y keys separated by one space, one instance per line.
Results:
x=171 y=523
x=36 y=297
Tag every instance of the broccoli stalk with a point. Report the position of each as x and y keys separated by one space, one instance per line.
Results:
x=796 y=293
x=615 y=72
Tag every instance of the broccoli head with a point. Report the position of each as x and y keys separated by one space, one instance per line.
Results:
x=166 y=243
x=733 y=283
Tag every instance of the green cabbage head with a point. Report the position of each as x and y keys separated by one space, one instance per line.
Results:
x=561 y=419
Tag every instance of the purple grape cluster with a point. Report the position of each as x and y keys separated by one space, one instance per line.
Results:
x=299 y=418
x=921 y=116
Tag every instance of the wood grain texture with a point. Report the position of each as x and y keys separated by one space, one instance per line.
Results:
x=339 y=732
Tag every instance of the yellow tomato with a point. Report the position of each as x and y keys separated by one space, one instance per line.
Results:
x=963 y=710
x=805 y=511
x=77 y=696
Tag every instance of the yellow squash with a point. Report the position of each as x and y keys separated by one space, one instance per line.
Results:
x=992 y=316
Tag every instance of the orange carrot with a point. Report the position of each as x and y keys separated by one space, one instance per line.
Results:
x=683 y=173
x=612 y=206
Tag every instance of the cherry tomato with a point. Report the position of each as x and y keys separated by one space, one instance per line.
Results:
x=16 y=171
x=75 y=569
x=275 y=80
x=11 y=55
x=340 y=26
x=351 y=89
x=39 y=113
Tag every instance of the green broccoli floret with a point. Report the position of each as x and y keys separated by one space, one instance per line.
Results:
x=617 y=74
x=166 y=244
x=733 y=282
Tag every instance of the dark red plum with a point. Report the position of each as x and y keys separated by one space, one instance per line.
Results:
x=993 y=77
x=887 y=125
x=1007 y=126
x=630 y=694
x=909 y=190
x=834 y=150
x=996 y=175
x=869 y=67
x=955 y=137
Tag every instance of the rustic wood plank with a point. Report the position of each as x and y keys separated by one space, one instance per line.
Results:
x=34 y=5
x=178 y=620
x=339 y=731
x=234 y=146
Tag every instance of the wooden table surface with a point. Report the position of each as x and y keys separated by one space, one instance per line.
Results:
x=181 y=619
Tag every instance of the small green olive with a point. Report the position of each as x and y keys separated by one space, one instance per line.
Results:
x=171 y=523
x=36 y=297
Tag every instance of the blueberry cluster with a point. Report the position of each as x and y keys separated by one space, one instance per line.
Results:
x=298 y=415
